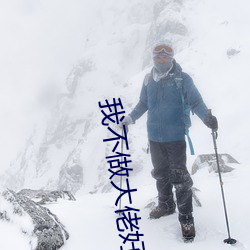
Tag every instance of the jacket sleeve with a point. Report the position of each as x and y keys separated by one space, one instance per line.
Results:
x=193 y=98
x=142 y=105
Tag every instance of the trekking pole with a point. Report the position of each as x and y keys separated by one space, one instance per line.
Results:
x=229 y=240
x=120 y=201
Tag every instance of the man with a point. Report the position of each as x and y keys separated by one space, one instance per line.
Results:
x=165 y=103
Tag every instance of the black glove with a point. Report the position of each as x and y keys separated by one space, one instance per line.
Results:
x=211 y=122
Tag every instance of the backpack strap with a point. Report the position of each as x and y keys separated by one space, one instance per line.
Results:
x=145 y=83
x=178 y=80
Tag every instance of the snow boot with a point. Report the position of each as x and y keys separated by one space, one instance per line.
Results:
x=160 y=211
x=187 y=227
x=188 y=231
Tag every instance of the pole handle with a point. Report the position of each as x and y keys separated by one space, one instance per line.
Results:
x=214 y=132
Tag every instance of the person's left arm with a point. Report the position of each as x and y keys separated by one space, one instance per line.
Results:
x=193 y=97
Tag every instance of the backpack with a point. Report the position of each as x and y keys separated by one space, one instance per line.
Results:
x=186 y=108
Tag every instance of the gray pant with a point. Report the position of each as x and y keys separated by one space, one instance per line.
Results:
x=169 y=162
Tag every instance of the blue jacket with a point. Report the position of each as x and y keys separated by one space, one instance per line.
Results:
x=163 y=101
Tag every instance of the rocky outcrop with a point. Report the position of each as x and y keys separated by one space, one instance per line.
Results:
x=43 y=197
x=44 y=230
x=66 y=148
x=209 y=161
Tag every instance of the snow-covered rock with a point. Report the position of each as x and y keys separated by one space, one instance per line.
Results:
x=209 y=161
x=42 y=228
x=43 y=197
x=60 y=155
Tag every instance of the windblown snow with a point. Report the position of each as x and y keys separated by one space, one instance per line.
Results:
x=60 y=58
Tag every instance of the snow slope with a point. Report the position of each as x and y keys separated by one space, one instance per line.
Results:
x=214 y=50
x=92 y=219
x=216 y=29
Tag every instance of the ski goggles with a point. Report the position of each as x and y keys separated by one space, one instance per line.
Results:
x=163 y=50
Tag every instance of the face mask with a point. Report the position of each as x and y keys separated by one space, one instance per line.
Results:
x=163 y=67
